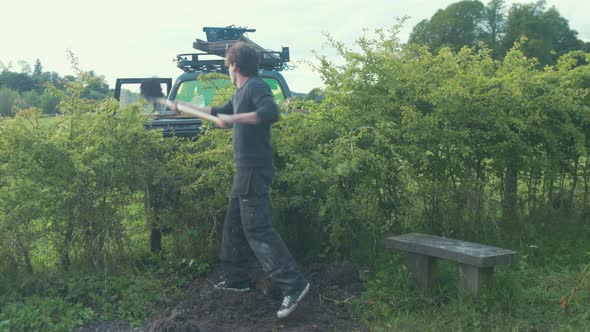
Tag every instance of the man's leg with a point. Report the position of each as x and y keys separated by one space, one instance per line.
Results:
x=235 y=251
x=267 y=245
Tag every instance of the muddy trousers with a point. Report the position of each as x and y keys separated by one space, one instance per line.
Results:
x=247 y=229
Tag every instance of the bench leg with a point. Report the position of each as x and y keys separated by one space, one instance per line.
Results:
x=424 y=269
x=473 y=278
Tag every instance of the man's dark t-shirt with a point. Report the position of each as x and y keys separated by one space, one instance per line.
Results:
x=252 y=141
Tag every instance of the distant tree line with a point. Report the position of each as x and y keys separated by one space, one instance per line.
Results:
x=27 y=88
x=470 y=23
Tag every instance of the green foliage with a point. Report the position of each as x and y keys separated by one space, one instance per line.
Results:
x=25 y=89
x=8 y=99
x=202 y=181
x=20 y=82
x=38 y=68
x=494 y=24
x=316 y=94
x=456 y=26
x=548 y=32
x=62 y=302
x=69 y=184
x=454 y=143
x=467 y=23
x=522 y=297
x=458 y=123
x=393 y=302
x=176 y=270
x=38 y=313
x=128 y=297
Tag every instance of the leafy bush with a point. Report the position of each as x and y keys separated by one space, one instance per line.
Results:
x=8 y=99
x=452 y=143
x=36 y=313
x=130 y=296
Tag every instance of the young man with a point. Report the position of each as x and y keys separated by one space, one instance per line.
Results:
x=247 y=226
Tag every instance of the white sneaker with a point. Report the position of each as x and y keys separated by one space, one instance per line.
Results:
x=290 y=302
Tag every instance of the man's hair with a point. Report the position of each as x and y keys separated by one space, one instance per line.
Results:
x=151 y=88
x=244 y=57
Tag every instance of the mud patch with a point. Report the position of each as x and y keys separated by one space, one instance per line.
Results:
x=204 y=308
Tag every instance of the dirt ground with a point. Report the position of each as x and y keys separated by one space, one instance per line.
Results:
x=204 y=308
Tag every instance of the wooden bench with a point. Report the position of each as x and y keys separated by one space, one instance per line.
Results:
x=476 y=260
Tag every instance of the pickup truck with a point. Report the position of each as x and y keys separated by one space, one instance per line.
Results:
x=189 y=88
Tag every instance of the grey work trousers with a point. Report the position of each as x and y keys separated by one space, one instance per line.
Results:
x=247 y=229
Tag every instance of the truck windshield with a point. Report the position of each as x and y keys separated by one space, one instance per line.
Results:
x=202 y=93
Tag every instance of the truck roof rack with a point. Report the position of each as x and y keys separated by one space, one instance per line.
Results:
x=219 y=40
x=215 y=34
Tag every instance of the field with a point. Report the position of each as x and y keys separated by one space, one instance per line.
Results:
x=108 y=226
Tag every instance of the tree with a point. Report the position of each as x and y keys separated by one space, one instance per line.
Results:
x=5 y=67
x=494 y=24
x=420 y=33
x=456 y=26
x=38 y=68
x=316 y=94
x=95 y=86
x=466 y=23
x=8 y=99
x=548 y=33
x=17 y=81
x=25 y=67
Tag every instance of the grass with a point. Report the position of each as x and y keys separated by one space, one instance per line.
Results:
x=62 y=302
x=49 y=120
x=524 y=297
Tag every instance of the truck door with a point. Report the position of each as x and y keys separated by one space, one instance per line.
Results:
x=127 y=89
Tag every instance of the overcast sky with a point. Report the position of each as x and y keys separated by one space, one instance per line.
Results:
x=139 y=38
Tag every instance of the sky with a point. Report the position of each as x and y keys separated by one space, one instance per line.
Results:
x=140 y=38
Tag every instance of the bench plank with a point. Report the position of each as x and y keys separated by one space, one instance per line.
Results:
x=456 y=250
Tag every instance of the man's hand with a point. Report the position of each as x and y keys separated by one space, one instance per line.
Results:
x=200 y=112
x=227 y=119
x=173 y=107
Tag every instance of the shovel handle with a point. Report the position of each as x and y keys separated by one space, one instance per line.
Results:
x=190 y=110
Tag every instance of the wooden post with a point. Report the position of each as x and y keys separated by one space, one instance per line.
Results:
x=424 y=269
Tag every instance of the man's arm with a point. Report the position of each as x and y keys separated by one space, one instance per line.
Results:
x=265 y=107
x=213 y=111
x=226 y=108
x=205 y=109
x=247 y=118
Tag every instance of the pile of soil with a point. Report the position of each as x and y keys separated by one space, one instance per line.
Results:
x=204 y=308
